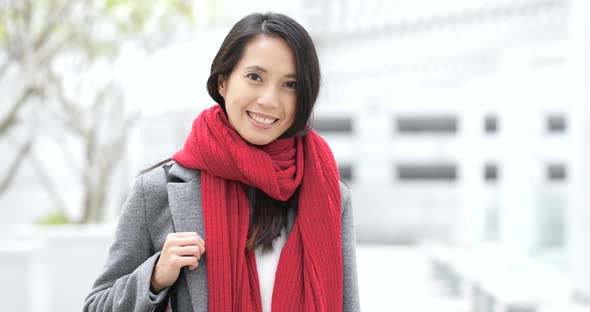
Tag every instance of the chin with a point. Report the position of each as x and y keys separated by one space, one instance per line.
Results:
x=258 y=141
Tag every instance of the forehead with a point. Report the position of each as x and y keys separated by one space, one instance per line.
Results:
x=271 y=53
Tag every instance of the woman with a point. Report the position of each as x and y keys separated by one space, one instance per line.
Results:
x=250 y=215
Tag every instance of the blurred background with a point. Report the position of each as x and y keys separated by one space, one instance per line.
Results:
x=461 y=126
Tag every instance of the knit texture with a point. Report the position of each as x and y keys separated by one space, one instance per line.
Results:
x=309 y=273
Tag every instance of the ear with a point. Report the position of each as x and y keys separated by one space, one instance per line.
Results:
x=221 y=85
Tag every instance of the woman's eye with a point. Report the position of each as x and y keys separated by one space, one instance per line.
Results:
x=291 y=84
x=253 y=76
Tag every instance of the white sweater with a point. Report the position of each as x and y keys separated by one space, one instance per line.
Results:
x=266 y=264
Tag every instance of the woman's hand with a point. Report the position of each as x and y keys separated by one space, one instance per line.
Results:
x=180 y=249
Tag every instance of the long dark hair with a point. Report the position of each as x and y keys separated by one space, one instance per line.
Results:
x=269 y=216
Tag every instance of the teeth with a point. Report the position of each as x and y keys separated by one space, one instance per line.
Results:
x=262 y=120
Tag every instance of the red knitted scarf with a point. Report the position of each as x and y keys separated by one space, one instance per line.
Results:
x=309 y=273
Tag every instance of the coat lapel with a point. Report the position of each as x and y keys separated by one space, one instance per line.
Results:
x=184 y=196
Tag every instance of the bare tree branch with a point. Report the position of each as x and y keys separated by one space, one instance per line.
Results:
x=59 y=15
x=72 y=119
x=19 y=22
x=38 y=36
x=27 y=13
x=47 y=54
x=14 y=166
x=11 y=118
x=4 y=67
x=45 y=179
x=66 y=150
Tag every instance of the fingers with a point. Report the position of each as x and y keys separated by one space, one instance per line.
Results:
x=194 y=251
x=183 y=234
x=178 y=256
x=186 y=256
x=189 y=241
x=189 y=261
x=184 y=239
x=180 y=250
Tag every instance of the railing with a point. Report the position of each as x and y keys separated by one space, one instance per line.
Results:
x=495 y=281
x=51 y=269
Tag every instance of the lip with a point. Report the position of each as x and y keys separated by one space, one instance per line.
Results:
x=261 y=125
x=262 y=115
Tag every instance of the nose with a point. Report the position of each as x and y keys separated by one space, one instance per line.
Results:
x=269 y=97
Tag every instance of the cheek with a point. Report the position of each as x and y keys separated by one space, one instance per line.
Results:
x=233 y=102
x=240 y=96
x=233 y=111
x=292 y=112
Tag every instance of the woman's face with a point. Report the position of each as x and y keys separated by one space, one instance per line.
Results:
x=260 y=93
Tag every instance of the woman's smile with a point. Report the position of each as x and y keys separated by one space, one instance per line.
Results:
x=261 y=121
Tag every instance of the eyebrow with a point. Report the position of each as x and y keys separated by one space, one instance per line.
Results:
x=262 y=69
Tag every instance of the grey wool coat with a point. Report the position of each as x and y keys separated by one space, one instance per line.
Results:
x=158 y=205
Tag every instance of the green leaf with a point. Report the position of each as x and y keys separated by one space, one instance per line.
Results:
x=2 y=33
x=184 y=10
x=111 y=4
x=53 y=218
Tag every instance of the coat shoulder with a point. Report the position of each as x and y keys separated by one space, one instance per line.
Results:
x=154 y=179
x=345 y=194
x=168 y=172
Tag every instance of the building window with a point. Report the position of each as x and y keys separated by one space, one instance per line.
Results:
x=426 y=124
x=556 y=124
x=556 y=172
x=492 y=220
x=335 y=125
x=491 y=124
x=550 y=226
x=427 y=172
x=550 y=221
x=490 y=173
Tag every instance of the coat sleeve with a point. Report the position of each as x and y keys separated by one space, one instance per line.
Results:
x=124 y=284
x=350 y=291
